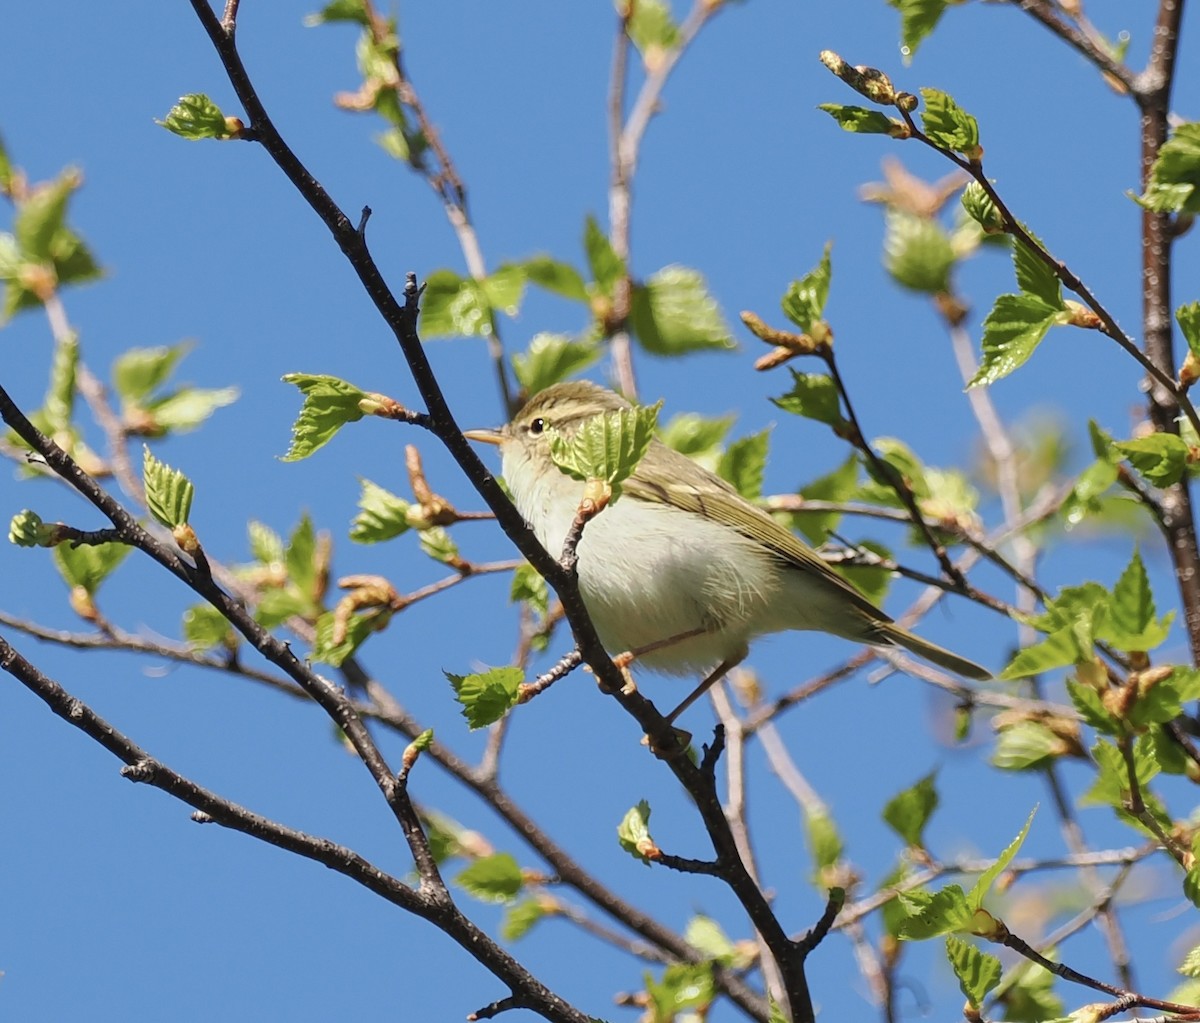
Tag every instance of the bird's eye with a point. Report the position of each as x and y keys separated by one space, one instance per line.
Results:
x=537 y=426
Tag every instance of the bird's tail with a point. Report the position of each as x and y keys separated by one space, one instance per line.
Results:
x=890 y=633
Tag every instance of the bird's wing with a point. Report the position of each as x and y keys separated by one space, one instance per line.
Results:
x=717 y=500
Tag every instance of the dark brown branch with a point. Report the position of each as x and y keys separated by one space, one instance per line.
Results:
x=1045 y=12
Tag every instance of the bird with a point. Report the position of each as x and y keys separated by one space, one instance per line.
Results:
x=682 y=573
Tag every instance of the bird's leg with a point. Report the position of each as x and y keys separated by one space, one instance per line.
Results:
x=624 y=660
x=710 y=680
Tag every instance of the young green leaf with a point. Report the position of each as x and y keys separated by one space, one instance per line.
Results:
x=917 y=253
x=439 y=545
x=684 y=986
x=948 y=125
x=168 y=491
x=1176 y=173
x=330 y=649
x=487 y=696
x=977 y=972
x=531 y=588
x=41 y=217
x=196 y=116
x=1057 y=650
x=382 y=515
x=454 y=306
x=932 y=914
x=839 y=485
x=58 y=408
x=495 y=878
x=520 y=918
x=982 y=886
x=204 y=627
x=1034 y=277
x=651 y=27
x=1188 y=318
x=188 y=408
x=608 y=446
x=814 y=396
x=1027 y=746
x=672 y=313
x=300 y=558
x=340 y=10
x=556 y=276
x=872 y=581
x=26 y=529
x=1160 y=457
x=917 y=19
x=860 y=120
x=824 y=842
x=139 y=371
x=1087 y=701
x=697 y=437
x=606 y=266
x=88 y=565
x=633 y=833
x=1011 y=332
x=909 y=811
x=329 y=403
x=705 y=934
x=804 y=301
x=504 y=288
x=551 y=358
x=1132 y=622
x=266 y=545
x=981 y=209
x=744 y=463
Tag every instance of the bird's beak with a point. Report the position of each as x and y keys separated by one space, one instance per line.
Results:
x=484 y=436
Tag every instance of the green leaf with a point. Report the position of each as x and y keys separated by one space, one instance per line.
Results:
x=1030 y=998
x=139 y=371
x=1190 y=967
x=814 y=396
x=358 y=629
x=168 y=491
x=860 y=120
x=947 y=124
x=1188 y=317
x=977 y=972
x=983 y=885
x=1191 y=885
x=1057 y=650
x=189 y=408
x=1091 y=709
x=551 y=358
x=606 y=266
x=339 y=10
x=196 y=116
x=26 y=529
x=1132 y=622
x=651 y=26
x=454 y=306
x=838 y=485
x=744 y=463
x=382 y=515
x=1111 y=787
x=504 y=288
x=606 y=447
x=980 y=208
x=278 y=604
x=697 y=437
x=531 y=588
x=917 y=19
x=59 y=405
x=329 y=403
x=918 y=253
x=872 y=581
x=1161 y=457
x=1164 y=700
x=88 y=565
x=301 y=557
x=633 y=832
x=520 y=918
x=1011 y=332
x=684 y=986
x=705 y=934
x=898 y=460
x=266 y=545
x=1176 y=173
x=487 y=696
x=41 y=218
x=204 y=627
x=1034 y=277
x=804 y=301
x=556 y=276
x=777 y=1015
x=909 y=811
x=1026 y=746
x=932 y=914
x=6 y=168
x=439 y=545
x=495 y=878
x=824 y=842
x=673 y=313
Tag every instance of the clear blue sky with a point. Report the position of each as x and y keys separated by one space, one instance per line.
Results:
x=114 y=904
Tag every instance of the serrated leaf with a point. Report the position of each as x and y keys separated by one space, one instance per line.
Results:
x=277 y=605
x=1034 y=277
x=59 y=405
x=651 y=27
x=1188 y=318
x=744 y=463
x=909 y=811
x=329 y=403
x=1190 y=967
x=168 y=491
x=980 y=207
x=41 y=217
x=1087 y=701
x=139 y=371
x=705 y=934
x=300 y=558
x=185 y=410
x=917 y=19
x=1132 y=622
x=556 y=276
x=1012 y=331
x=88 y=565
x=983 y=885
x=918 y=253
x=947 y=124
x=503 y=288
x=804 y=301
x=1057 y=650
x=439 y=545
x=204 y=627
x=266 y=546
x=339 y=10
x=900 y=459
x=26 y=529
x=633 y=833
x=860 y=120
x=382 y=515
x=1176 y=173
x=977 y=972
x=607 y=446
x=551 y=358
x=605 y=265
x=531 y=588
x=672 y=313
x=1030 y=998
x=1026 y=746
x=194 y=117
x=932 y=914
x=683 y=986
x=495 y=878
x=1161 y=457
x=486 y=696
x=358 y=628
x=814 y=396
x=454 y=306
x=520 y=918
